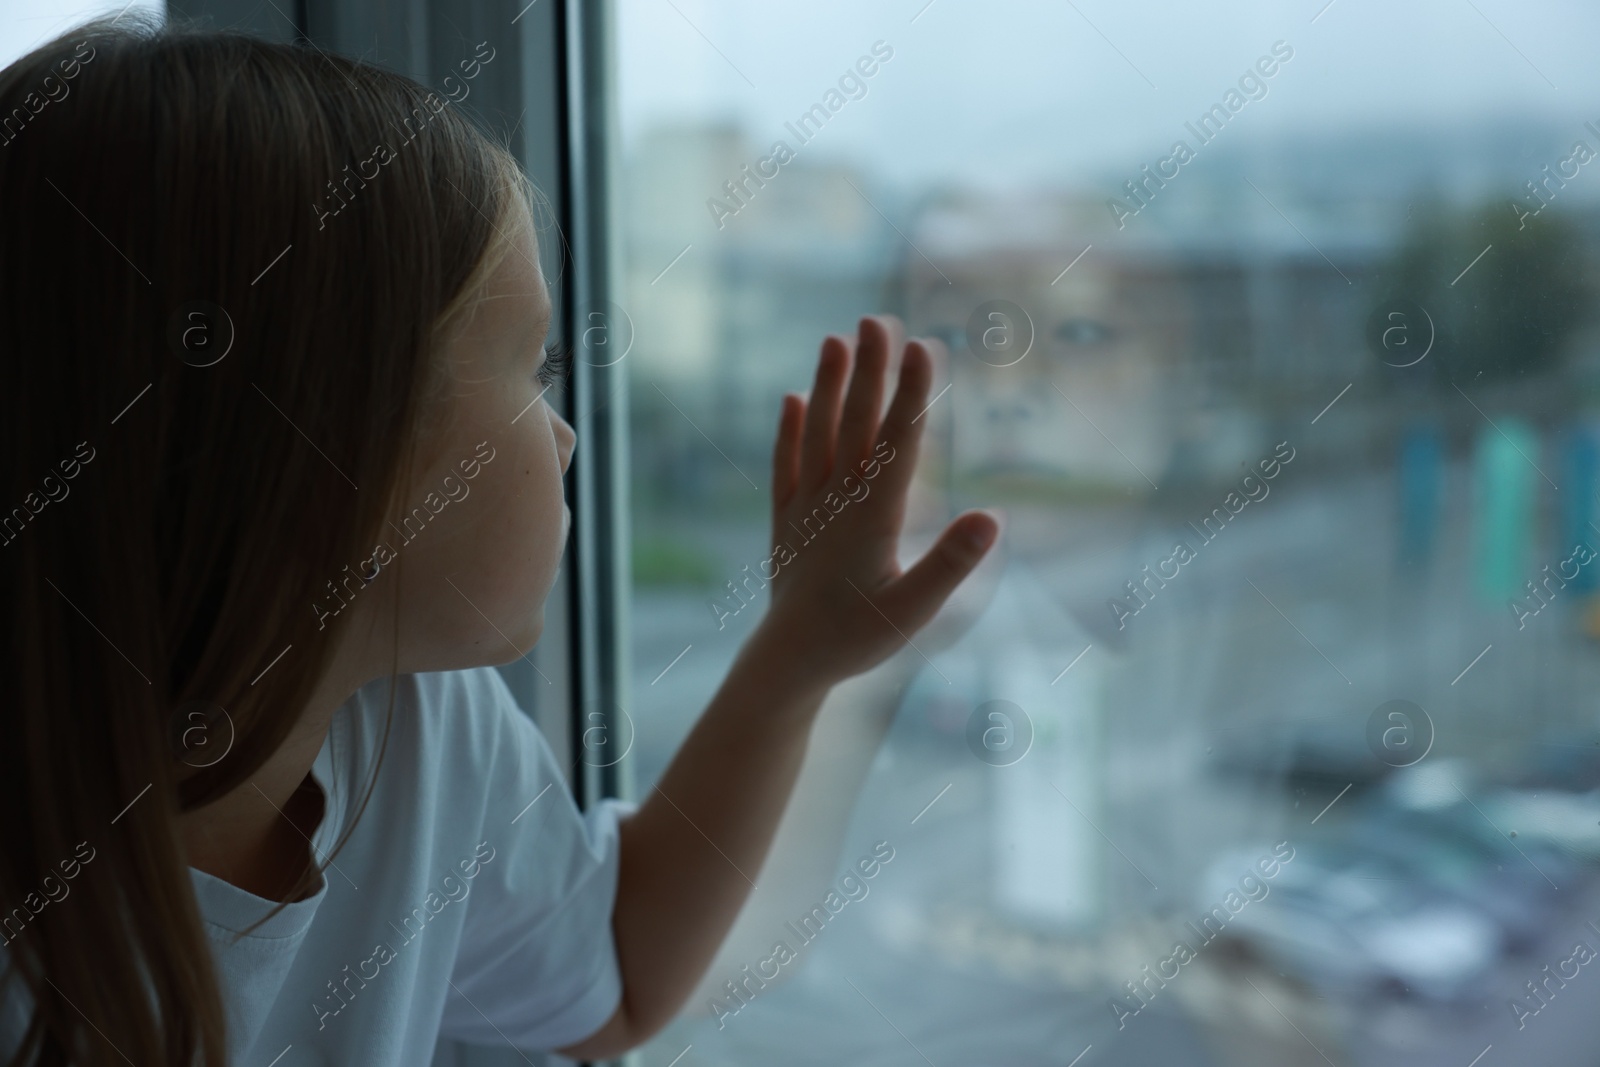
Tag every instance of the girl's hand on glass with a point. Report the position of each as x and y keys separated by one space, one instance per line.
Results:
x=841 y=603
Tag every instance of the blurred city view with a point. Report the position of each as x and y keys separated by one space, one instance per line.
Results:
x=1335 y=362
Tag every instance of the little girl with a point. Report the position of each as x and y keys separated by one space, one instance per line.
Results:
x=282 y=485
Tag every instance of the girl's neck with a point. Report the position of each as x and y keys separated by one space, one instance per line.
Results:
x=264 y=852
x=258 y=837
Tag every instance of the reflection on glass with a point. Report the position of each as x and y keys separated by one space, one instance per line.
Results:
x=1269 y=733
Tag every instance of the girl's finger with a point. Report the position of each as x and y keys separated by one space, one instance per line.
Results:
x=786 y=450
x=822 y=412
x=901 y=433
x=916 y=596
x=939 y=356
x=897 y=345
x=858 y=424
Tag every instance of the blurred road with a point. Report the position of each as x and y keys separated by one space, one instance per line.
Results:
x=1227 y=715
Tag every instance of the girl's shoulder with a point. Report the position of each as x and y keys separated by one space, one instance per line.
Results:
x=455 y=740
x=464 y=714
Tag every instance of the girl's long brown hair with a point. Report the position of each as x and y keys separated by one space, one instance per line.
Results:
x=168 y=513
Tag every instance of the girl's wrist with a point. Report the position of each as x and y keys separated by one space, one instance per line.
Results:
x=774 y=658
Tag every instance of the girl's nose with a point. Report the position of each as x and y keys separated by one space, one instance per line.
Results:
x=566 y=441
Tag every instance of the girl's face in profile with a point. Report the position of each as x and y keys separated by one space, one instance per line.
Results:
x=477 y=574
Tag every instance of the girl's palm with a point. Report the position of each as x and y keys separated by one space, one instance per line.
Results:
x=840 y=478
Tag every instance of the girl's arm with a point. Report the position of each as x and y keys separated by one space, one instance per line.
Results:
x=840 y=605
x=802 y=861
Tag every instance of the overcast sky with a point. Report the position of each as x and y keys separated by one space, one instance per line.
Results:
x=1003 y=90
x=1009 y=91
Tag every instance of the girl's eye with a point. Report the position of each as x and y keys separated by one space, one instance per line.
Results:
x=557 y=364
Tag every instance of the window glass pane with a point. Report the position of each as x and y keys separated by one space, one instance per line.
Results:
x=25 y=24
x=1268 y=735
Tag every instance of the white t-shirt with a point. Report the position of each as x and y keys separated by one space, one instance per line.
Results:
x=473 y=901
